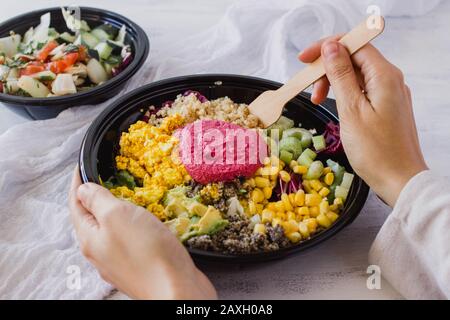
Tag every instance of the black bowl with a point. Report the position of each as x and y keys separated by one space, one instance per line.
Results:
x=101 y=141
x=45 y=108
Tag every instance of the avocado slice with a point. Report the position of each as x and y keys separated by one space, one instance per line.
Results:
x=178 y=226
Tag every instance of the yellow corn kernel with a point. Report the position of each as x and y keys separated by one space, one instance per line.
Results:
x=323 y=220
x=259 y=208
x=290 y=226
x=266 y=161
x=338 y=201
x=299 y=199
x=332 y=216
x=279 y=206
x=314 y=211
x=293 y=164
x=275 y=161
x=290 y=215
x=292 y=198
x=324 y=191
x=276 y=221
x=259 y=171
x=294 y=237
x=281 y=165
x=314 y=192
x=285 y=176
x=267 y=192
x=315 y=184
x=304 y=230
x=300 y=169
x=334 y=207
x=312 y=200
x=251 y=207
x=257 y=195
x=271 y=206
x=267 y=216
x=311 y=223
x=306 y=185
x=329 y=178
x=303 y=211
x=251 y=182
x=286 y=203
x=262 y=182
x=326 y=171
x=306 y=217
x=259 y=228
x=324 y=207
x=282 y=216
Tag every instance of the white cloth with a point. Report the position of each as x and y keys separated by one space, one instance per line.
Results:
x=412 y=248
x=260 y=38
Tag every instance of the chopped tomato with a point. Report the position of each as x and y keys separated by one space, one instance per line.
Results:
x=57 y=66
x=45 y=51
x=31 y=69
x=65 y=62
x=70 y=58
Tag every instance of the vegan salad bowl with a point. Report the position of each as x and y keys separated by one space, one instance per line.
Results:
x=285 y=202
x=51 y=59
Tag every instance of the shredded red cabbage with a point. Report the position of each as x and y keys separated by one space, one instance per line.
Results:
x=199 y=96
x=292 y=186
x=125 y=63
x=332 y=139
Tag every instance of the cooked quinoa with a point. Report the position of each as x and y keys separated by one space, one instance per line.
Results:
x=192 y=109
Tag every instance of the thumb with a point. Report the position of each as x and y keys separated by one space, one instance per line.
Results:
x=341 y=74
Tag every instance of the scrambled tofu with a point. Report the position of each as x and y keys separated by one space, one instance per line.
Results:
x=147 y=152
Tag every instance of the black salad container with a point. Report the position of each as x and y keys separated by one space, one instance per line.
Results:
x=45 y=108
x=100 y=144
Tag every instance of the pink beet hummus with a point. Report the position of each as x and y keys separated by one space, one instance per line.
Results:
x=213 y=150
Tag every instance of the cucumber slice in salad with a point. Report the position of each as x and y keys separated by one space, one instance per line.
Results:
x=96 y=72
x=33 y=87
x=104 y=50
x=44 y=76
x=87 y=39
x=66 y=37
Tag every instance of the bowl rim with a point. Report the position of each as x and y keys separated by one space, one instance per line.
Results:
x=142 y=45
x=354 y=206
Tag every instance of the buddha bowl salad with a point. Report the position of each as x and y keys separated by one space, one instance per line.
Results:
x=45 y=62
x=286 y=198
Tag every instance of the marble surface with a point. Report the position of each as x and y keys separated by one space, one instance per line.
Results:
x=336 y=269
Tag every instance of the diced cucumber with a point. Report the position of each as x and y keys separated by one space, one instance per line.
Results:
x=286 y=156
x=304 y=160
x=283 y=123
x=44 y=76
x=293 y=132
x=314 y=171
x=88 y=40
x=116 y=46
x=63 y=85
x=347 y=180
x=33 y=87
x=108 y=68
x=66 y=37
x=319 y=142
x=113 y=60
x=292 y=145
x=307 y=157
x=96 y=72
x=341 y=192
x=101 y=34
x=9 y=45
x=104 y=50
x=306 y=138
x=311 y=154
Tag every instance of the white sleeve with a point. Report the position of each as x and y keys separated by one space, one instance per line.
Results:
x=412 y=248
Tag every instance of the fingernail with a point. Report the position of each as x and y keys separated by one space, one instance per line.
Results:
x=330 y=49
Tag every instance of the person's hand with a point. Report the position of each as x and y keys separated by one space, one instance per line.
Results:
x=378 y=130
x=131 y=248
